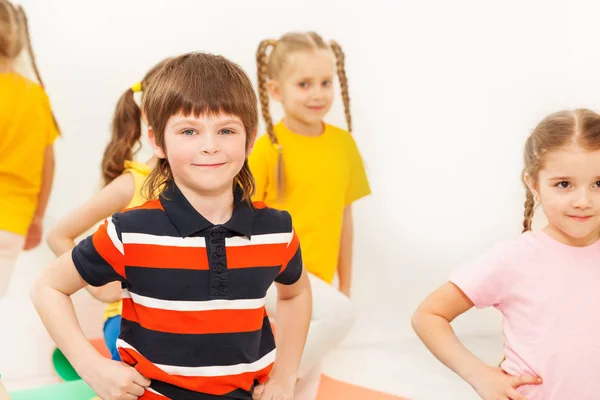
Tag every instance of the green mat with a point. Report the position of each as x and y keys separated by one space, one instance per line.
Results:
x=74 y=390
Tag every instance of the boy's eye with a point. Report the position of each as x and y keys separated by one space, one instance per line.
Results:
x=563 y=185
x=303 y=85
x=227 y=131
x=597 y=184
x=327 y=83
x=188 y=132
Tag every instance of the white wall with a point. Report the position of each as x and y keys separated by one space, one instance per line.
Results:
x=443 y=96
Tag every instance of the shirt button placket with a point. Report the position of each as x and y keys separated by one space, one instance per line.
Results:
x=217 y=260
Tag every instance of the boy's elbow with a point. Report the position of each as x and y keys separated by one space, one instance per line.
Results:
x=56 y=242
x=34 y=292
x=52 y=236
x=38 y=288
x=38 y=292
x=50 y=240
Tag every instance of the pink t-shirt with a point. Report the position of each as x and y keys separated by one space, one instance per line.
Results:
x=549 y=295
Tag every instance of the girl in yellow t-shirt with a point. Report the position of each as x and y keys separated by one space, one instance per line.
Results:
x=27 y=133
x=123 y=180
x=314 y=171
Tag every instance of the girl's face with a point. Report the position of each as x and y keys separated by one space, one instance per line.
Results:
x=568 y=189
x=305 y=86
x=205 y=153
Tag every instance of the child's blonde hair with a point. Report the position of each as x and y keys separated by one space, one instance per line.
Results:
x=556 y=131
x=269 y=66
x=199 y=84
x=14 y=35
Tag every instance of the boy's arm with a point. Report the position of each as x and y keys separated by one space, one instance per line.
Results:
x=294 y=308
x=51 y=297
x=109 y=293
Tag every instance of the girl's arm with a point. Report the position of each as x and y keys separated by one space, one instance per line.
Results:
x=431 y=322
x=113 y=198
x=294 y=307
x=34 y=233
x=345 y=257
x=51 y=293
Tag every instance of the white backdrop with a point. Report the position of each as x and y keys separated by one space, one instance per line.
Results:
x=443 y=95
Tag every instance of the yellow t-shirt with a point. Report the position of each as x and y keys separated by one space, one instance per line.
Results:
x=139 y=172
x=323 y=175
x=26 y=129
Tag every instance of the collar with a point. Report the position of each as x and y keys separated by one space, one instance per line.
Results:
x=188 y=221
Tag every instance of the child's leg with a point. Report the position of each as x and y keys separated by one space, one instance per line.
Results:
x=11 y=245
x=331 y=320
x=112 y=328
x=308 y=386
x=3 y=393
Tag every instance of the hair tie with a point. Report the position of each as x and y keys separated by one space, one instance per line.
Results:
x=278 y=147
x=136 y=87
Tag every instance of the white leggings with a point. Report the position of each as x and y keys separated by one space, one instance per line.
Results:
x=11 y=245
x=331 y=320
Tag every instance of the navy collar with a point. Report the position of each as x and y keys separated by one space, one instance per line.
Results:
x=188 y=221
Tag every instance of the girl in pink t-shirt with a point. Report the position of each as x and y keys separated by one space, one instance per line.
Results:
x=545 y=283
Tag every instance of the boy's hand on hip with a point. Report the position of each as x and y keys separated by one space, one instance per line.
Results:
x=113 y=380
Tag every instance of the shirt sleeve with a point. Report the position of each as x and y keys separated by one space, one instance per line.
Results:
x=291 y=268
x=485 y=281
x=358 y=186
x=261 y=167
x=99 y=258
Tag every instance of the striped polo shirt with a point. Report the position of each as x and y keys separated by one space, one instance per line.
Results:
x=194 y=319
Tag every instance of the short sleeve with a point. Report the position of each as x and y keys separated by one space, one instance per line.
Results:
x=50 y=123
x=261 y=167
x=358 y=186
x=485 y=280
x=99 y=258
x=291 y=267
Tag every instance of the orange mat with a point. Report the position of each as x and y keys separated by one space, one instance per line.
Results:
x=332 y=389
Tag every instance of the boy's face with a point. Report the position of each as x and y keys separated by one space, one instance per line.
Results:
x=205 y=153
